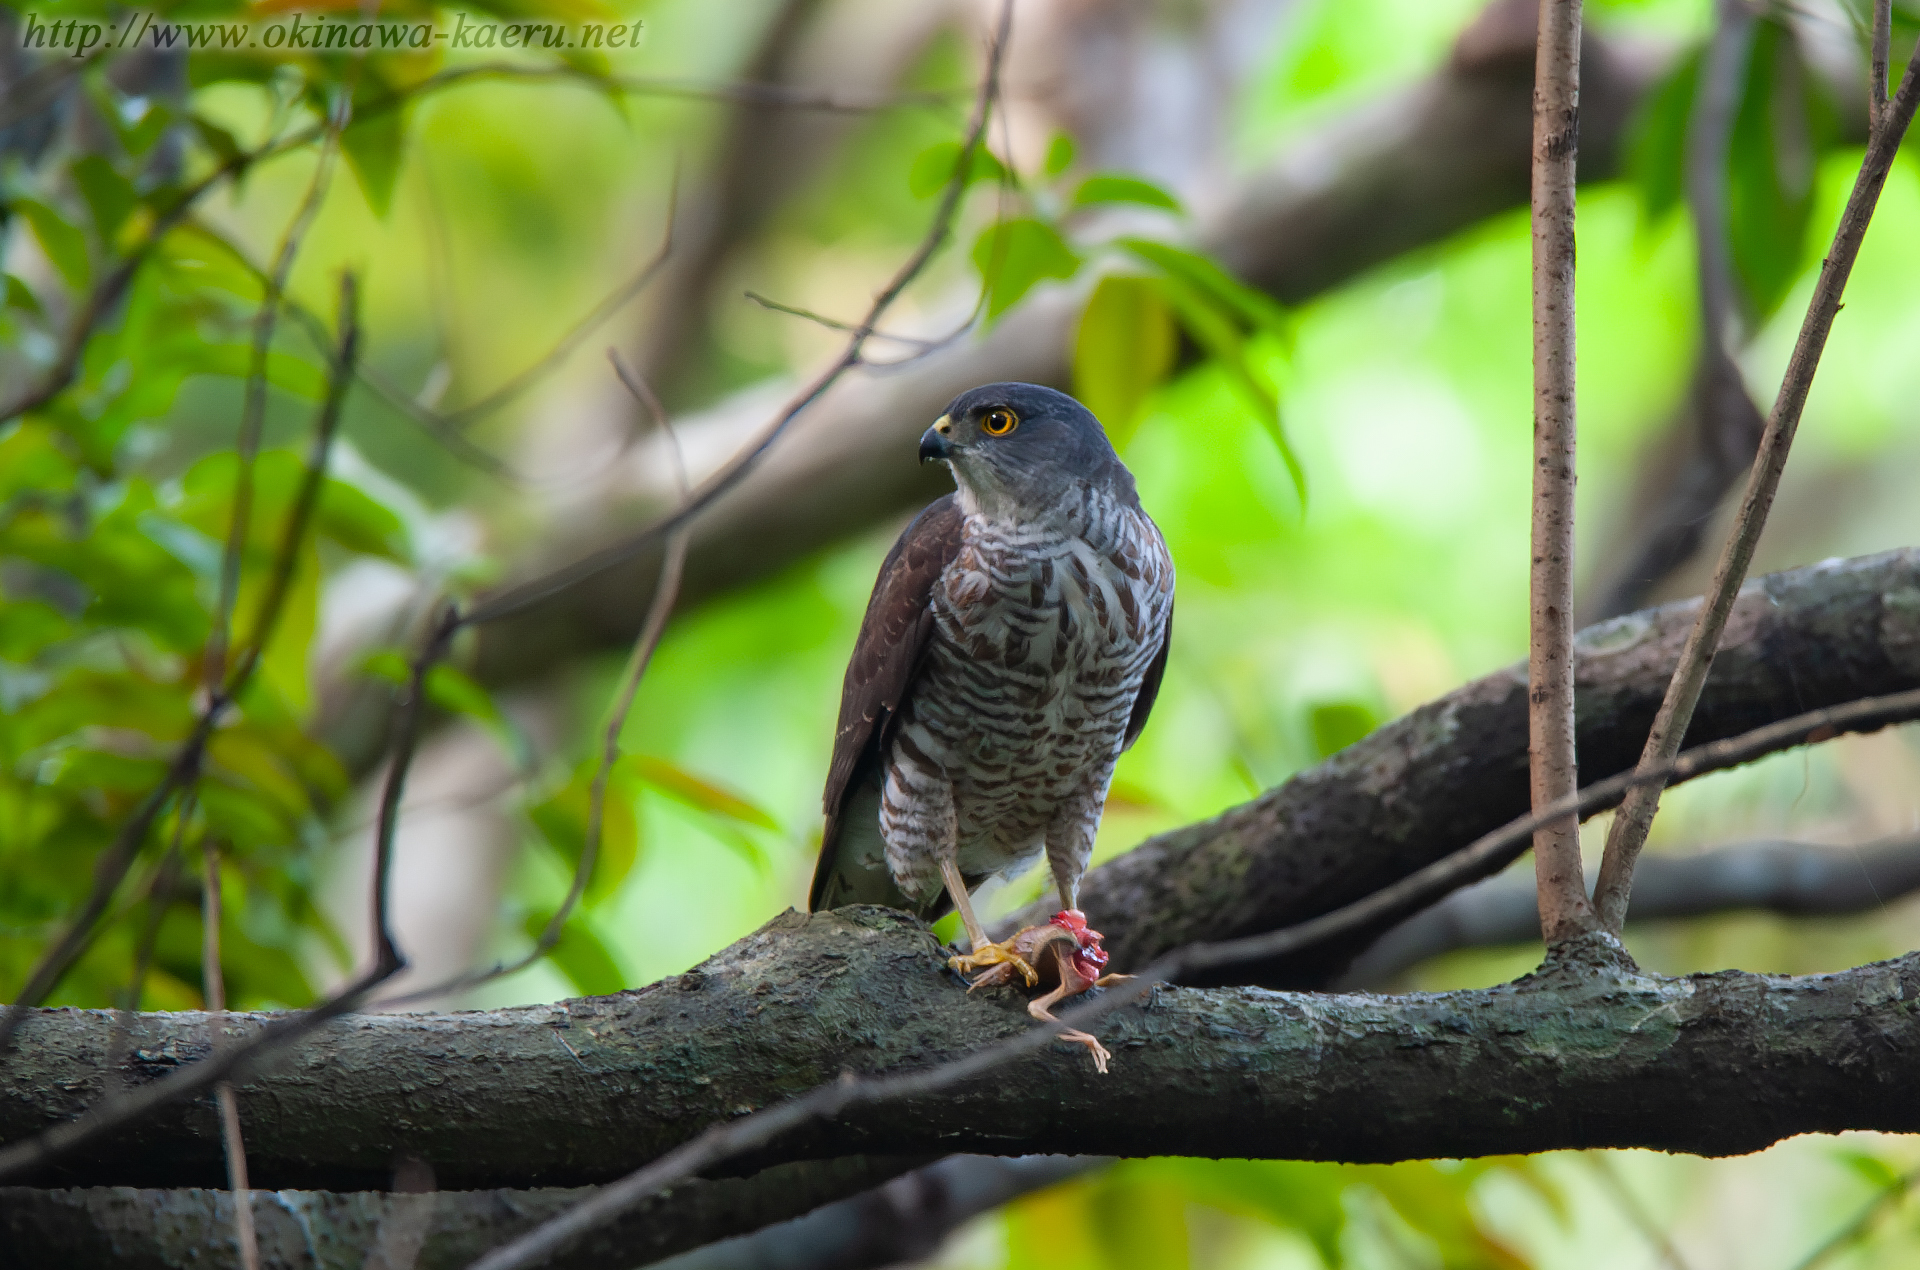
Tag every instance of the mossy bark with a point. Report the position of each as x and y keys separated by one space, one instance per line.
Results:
x=1585 y=1055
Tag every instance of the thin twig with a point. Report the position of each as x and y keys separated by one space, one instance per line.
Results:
x=253 y=411
x=775 y=96
x=1865 y=1218
x=835 y=324
x=527 y=594
x=1877 y=61
x=724 y=1141
x=1551 y=768
x=1629 y=831
x=666 y=593
x=306 y=500
x=233 y=1144
x=595 y=318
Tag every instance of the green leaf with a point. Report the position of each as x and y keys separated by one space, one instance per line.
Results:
x=1113 y=187
x=1338 y=724
x=349 y=516
x=374 y=149
x=1254 y=309
x=1059 y=154
x=1214 y=329
x=110 y=196
x=1879 y=1174
x=1783 y=126
x=1124 y=349
x=580 y=955
x=453 y=689
x=702 y=795
x=64 y=244
x=149 y=127
x=216 y=139
x=388 y=665
x=561 y=819
x=1657 y=139
x=1140 y=1224
x=29 y=626
x=1014 y=255
x=20 y=296
x=934 y=167
x=284 y=663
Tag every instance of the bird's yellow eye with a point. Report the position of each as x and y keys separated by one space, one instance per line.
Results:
x=997 y=423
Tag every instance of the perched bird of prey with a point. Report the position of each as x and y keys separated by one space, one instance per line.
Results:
x=1011 y=650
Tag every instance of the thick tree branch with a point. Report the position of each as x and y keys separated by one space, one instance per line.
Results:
x=581 y=1090
x=904 y=1220
x=1423 y=786
x=1793 y=879
x=437 y=1230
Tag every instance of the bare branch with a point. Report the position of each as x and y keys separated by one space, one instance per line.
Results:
x=1629 y=830
x=752 y=1132
x=901 y=1221
x=101 y=1226
x=1551 y=763
x=1793 y=879
x=1878 y=57
x=835 y=324
x=1862 y=1222
x=591 y=321
x=768 y=96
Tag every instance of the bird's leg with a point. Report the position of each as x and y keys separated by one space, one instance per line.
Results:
x=985 y=952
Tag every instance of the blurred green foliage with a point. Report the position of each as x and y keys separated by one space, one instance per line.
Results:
x=485 y=216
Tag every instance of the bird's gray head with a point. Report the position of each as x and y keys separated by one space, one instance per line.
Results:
x=1019 y=448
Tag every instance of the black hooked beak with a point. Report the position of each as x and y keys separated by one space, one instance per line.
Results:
x=934 y=443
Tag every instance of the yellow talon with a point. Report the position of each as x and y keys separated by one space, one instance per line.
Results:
x=994 y=955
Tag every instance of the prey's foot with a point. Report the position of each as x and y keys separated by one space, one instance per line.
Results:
x=990 y=956
x=1094 y=1047
x=1038 y=1009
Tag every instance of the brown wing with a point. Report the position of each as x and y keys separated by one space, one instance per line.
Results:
x=1149 y=685
x=886 y=657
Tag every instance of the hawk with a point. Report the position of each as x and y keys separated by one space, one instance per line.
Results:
x=1012 y=648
